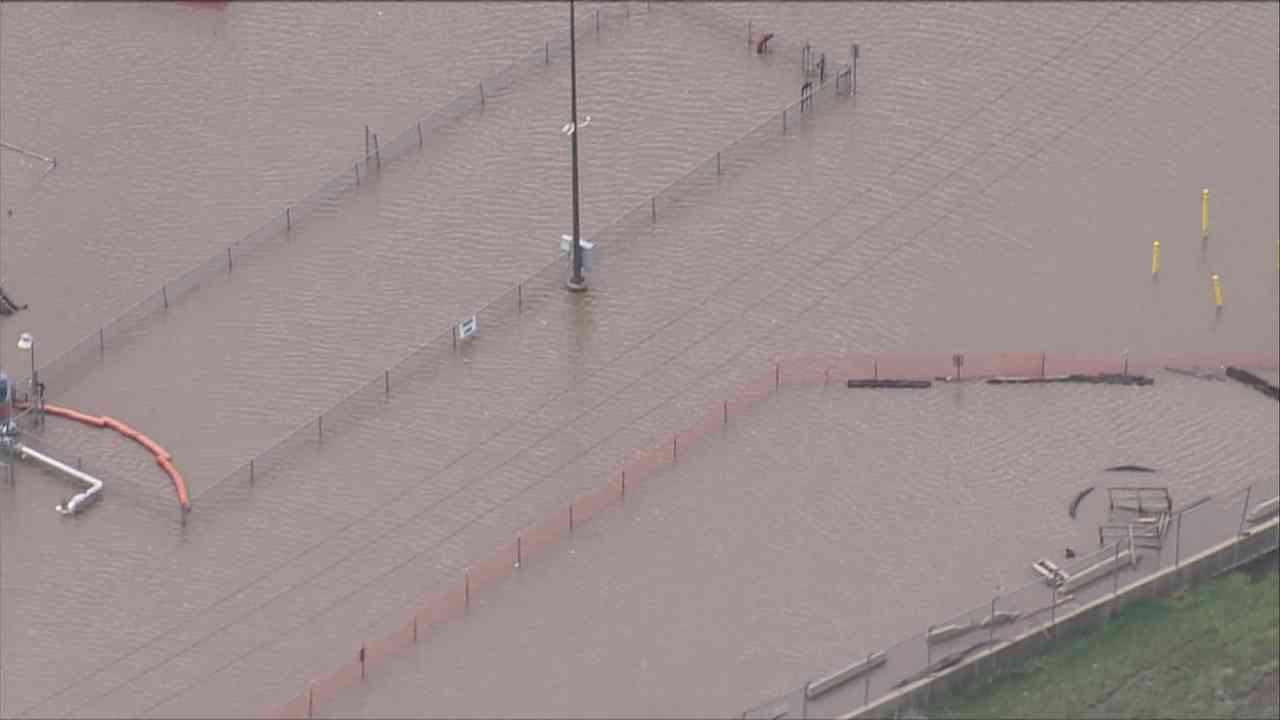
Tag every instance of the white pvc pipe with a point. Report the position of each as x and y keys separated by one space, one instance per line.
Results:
x=72 y=505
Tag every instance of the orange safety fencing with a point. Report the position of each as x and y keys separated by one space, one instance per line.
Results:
x=162 y=456
x=791 y=372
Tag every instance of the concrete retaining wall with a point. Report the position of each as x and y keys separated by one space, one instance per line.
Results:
x=1013 y=653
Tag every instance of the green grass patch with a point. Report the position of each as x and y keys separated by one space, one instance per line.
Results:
x=1210 y=652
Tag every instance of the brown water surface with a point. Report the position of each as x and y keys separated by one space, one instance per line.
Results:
x=995 y=185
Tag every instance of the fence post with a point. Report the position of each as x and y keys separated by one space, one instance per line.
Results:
x=228 y=259
x=784 y=121
x=519 y=549
x=570 y=517
x=362 y=663
x=250 y=471
x=320 y=427
x=991 y=638
x=726 y=412
x=415 y=628
x=1244 y=509
x=866 y=692
x=928 y=648
x=853 y=71
x=419 y=135
x=804 y=700
x=717 y=162
x=481 y=93
x=674 y=438
x=1042 y=365
x=1115 y=571
x=546 y=50
x=466 y=589
x=653 y=208
x=288 y=219
x=366 y=142
x=356 y=168
x=377 y=155
x=164 y=293
x=102 y=347
x=624 y=482
x=1177 y=542
x=310 y=699
x=777 y=375
x=520 y=296
x=386 y=380
x=1053 y=605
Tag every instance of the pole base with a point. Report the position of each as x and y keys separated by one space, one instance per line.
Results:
x=576 y=285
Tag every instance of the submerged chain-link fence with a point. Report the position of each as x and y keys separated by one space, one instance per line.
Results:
x=877 y=671
x=65 y=369
x=431 y=357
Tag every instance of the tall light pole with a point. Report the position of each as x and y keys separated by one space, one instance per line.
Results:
x=576 y=282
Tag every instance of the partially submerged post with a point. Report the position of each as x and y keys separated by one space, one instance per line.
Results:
x=576 y=282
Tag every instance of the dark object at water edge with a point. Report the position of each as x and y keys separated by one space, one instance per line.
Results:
x=1100 y=379
x=1254 y=381
x=890 y=383
x=7 y=304
x=762 y=47
x=942 y=664
x=1130 y=468
x=1076 y=502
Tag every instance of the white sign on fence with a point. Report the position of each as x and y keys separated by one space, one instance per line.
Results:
x=466 y=328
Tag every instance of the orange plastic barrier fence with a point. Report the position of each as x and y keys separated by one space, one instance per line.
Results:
x=807 y=371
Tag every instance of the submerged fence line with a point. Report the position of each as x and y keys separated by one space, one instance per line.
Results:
x=437 y=353
x=942 y=644
x=62 y=371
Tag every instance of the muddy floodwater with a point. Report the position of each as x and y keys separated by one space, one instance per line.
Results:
x=811 y=531
x=995 y=184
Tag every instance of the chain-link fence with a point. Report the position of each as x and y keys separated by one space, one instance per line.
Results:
x=434 y=355
x=65 y=369
x=878 y=671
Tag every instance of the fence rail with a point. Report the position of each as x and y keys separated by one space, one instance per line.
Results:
x=939 y=645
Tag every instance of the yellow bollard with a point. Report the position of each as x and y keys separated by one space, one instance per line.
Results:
x=1204 y=213
x=1155 y=258
x=1217 y=290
